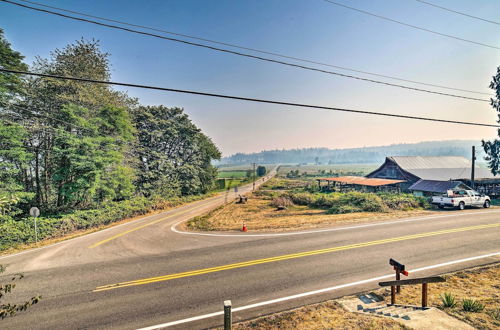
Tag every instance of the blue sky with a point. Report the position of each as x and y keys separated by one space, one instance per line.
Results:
x=310 y=29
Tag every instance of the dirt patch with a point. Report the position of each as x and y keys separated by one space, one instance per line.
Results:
x=259 y=215
x=328 y=315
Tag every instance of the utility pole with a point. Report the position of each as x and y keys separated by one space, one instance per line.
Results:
x=253 y=177
x=473 y=167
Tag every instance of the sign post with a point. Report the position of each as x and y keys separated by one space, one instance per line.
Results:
x=35 y=212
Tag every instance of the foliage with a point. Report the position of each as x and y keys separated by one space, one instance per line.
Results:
x=174 y=155
x=448 y=300
x=281 y=202
x=15 y=232
x=492 y=148
x=9 y=309
x=338 y=203
x=357 y=202
x=470 y=305
x=72 y=149
x=261 y=170
x=11 y=86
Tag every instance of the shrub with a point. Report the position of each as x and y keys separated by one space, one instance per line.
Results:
x=448 y=300
x=282 y=202
x=302 y=198
x=16 y=232
x=470 y=305
x=403 y=201
x=326 y=200
x=357 y=202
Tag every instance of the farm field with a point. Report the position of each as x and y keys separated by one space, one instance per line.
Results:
x=361 y=169
x=232 y=174
x=289 y=204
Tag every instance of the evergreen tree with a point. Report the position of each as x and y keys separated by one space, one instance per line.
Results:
x=492 y=148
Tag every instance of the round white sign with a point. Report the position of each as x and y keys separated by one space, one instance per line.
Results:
x=34 y=212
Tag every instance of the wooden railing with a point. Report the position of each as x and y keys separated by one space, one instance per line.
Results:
x=424 y=281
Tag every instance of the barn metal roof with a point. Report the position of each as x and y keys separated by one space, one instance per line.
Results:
x=362 y=181
x=436 y=186
x=445 y=174
x=427 y=162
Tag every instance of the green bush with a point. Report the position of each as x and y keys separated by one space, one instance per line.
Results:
x=16 y=232
x=302 y=198
x=470 y=305
x=403 y=201
x=357 y=202
x=326 y=201
x=448 y=300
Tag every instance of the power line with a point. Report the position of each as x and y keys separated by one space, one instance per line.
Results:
x=241 y=98
x=455 y=11
x=256 y=50
x=410 y=25
x=245 y=54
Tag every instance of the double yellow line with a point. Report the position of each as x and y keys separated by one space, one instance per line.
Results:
x=150 y=223
x=286 y=257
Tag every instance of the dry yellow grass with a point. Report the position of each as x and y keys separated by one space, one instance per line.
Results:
x=259 y=215
x=482 y=284
x=328 y=315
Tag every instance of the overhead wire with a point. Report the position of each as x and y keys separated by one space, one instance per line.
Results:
x=410 y=25
x=255 y=50
x=246 y=54
x=241 y=98
x=456 y=12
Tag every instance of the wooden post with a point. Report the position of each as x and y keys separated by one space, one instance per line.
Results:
x=424 y=294
x=227 y=315
x=393 y=295
x=398 y=277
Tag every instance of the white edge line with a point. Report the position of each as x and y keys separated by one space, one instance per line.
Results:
x=309 y=293
x=175 y=230
x=165 y=213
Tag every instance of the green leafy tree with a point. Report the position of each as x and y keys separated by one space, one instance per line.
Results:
x=261 y=170
x=492 y=148
x=59 y=147
x=174 y=156
x=11 y=85
x=88 y=161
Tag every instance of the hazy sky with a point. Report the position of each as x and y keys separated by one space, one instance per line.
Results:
x=311 y=29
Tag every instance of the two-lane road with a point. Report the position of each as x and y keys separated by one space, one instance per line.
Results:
x=142 y=274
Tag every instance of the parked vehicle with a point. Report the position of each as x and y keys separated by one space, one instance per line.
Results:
x=461 y=198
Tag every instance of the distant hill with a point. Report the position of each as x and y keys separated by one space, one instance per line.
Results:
x=366 y=155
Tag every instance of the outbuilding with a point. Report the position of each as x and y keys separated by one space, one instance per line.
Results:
x=434 y=187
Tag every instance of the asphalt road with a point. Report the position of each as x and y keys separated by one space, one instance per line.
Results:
x=142 y=273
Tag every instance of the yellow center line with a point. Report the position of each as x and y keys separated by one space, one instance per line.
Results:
x=149 y=224
x=287 y=257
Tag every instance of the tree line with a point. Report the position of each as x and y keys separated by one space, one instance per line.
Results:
x=365 y=155
x=68 y=145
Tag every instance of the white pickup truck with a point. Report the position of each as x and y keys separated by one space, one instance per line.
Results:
x=461 y=199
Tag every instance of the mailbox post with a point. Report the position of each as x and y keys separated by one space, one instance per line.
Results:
x=400 y=269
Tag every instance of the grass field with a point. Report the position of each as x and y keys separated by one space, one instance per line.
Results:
x=314 y=169
x=232 y=174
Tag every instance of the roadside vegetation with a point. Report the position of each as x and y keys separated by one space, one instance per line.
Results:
x=85 y=154
x=293 y=203
x=480 y=285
